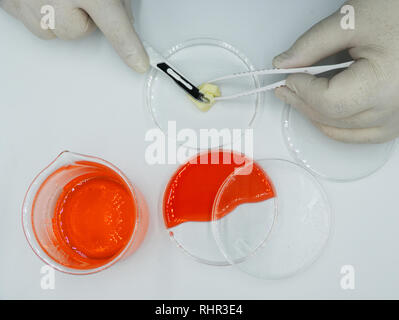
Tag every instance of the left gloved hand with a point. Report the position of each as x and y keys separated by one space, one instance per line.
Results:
x=77 y=18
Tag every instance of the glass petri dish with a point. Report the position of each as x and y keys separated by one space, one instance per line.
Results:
x=300 y=231
x=328 y=158
x=201 y=60
x=196 y=238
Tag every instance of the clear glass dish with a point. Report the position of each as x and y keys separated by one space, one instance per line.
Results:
x=201 y=60
x=328 y=158
x=298 y=235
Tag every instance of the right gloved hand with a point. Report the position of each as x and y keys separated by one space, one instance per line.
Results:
x=360 y=104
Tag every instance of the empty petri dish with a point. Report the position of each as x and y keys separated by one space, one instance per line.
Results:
x=298 y=235
x=328 y=158
x=188 y=198
x=201 y=60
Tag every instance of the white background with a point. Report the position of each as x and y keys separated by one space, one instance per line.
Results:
x=57 y=95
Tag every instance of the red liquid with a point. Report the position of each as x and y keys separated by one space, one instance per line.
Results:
x=191 y=192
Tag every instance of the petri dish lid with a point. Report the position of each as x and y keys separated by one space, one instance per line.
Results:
x=201 y=60
x=298 y=235
x=328 y=158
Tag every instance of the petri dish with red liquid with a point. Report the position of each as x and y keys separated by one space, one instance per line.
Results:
x=188 y=199
x=270 y=218
x=200 y=60
x=300 y=230
x=81 y=214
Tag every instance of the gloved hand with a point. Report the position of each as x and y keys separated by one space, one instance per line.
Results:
x=360 y=104
x=77 y=18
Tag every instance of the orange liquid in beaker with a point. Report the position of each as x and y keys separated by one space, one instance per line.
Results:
x=94 y=217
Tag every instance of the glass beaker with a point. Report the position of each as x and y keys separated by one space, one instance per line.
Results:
x=65 y=233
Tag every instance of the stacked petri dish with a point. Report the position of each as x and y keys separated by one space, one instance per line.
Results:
x=270 y=218
x=327 y=158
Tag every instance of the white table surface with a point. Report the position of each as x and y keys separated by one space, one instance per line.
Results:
x=57 y=95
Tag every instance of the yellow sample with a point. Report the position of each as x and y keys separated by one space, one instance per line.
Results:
x=210 y=91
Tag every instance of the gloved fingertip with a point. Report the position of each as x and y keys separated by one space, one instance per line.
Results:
x=139 y=64
x=283 y=93
x=280 y=92
x=281 y=61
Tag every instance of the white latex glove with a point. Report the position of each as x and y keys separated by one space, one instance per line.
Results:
x=360 y=104
x=77 y=18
